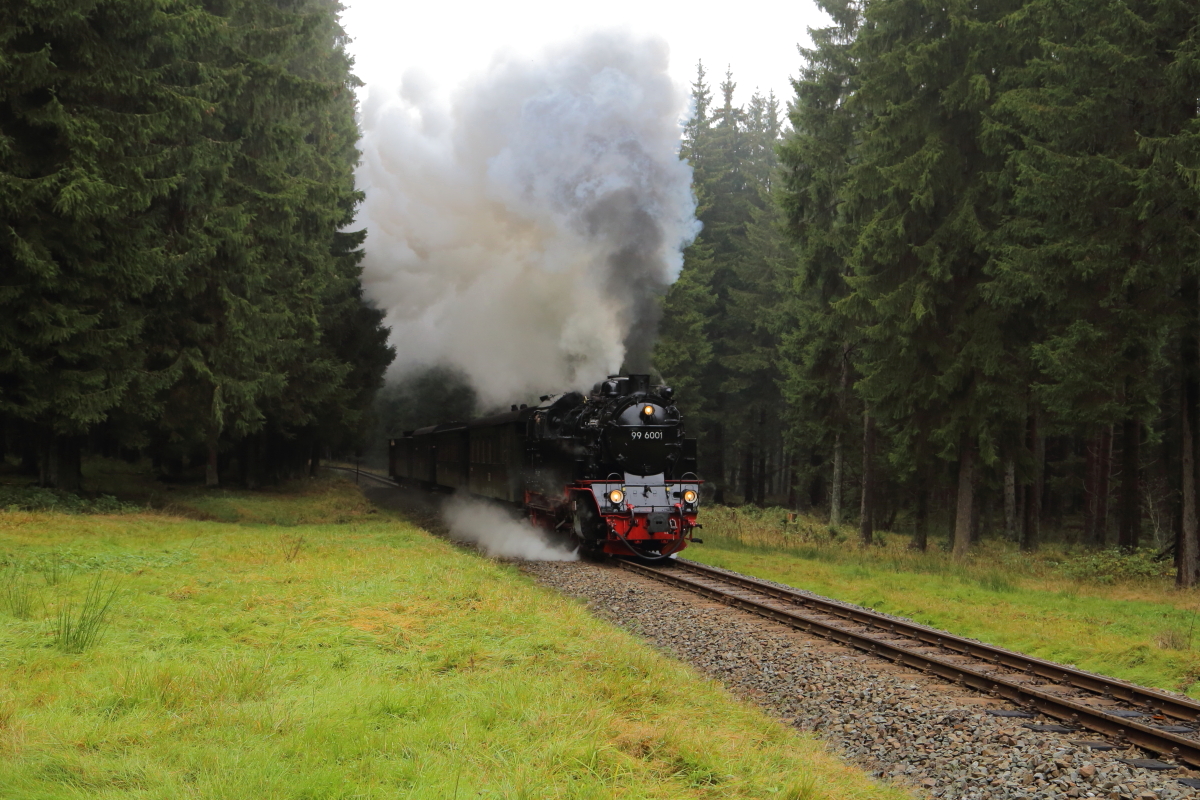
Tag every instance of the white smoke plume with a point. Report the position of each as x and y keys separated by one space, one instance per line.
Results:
x=523 y=232
x=499 y=534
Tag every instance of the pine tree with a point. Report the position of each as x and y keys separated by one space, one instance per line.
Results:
x=719 y=341
x=341 y=360
x=936 y=358
x=246 y=328
x=683 y=352
x=1170 y=179
x=816 y=347
x=99 y=107
x=1097 y=253
x=753 y=276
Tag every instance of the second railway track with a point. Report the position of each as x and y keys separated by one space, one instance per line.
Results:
x=1155 y=721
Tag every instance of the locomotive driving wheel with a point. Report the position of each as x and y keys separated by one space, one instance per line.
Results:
x=589 y=529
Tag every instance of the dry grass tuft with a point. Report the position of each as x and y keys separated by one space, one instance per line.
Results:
x=291 y=545
x=1172 y=639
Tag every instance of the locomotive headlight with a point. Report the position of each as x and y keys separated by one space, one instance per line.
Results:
x=616 y=496
x=648 y=411
x=689 y=496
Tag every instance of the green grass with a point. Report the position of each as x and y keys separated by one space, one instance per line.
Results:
x=347 y=654
x=1117 y=615
x=77 y=626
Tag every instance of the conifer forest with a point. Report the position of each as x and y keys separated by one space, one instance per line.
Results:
x=175 y=178
x=957 y=295
x=949 y=288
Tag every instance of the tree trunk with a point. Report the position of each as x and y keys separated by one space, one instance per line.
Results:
x=1103 y=478
x=60 y=467
x=30 y=454
x=793 y=496
x=866 y=519
x=314 y=461
x=966 y=499
x=1051 y=502
x=72 y=463
x=1010 y=499
x=211 y=473
x=747 y=476
x=951 y=495
x=1022 y=497
x=835 y=491
x=1031 y=530
x=1130 y=520
x=976 y=521
x=1187 y=554
x=1189 y=546
x=760 y=481
x=921 y=521
x=1091 y=482
x=254 y=453
x=718 y=440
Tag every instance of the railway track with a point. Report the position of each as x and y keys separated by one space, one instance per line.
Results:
x=363 y=475
x=1161 y=723
x=1155 y=721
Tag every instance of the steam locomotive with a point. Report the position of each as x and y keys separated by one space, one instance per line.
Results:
x=611 y=471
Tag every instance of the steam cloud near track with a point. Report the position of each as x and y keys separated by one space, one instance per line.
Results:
x=524 y=233
x=498 y=533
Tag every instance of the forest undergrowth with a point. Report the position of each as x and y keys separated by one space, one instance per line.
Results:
x=1105 y=611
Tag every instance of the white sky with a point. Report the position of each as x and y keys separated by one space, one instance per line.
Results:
x=450 y=41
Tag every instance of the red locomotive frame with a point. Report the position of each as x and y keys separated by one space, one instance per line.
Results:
x=627 y=529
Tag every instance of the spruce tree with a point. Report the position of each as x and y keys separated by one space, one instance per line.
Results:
x=936 y=359
x=100 y=103
x=817 y=343
x=1091 y=239
x=276 y=276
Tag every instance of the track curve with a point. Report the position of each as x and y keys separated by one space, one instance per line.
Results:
x=1122 y=710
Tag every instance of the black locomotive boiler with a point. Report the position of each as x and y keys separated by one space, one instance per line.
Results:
x=611 y=470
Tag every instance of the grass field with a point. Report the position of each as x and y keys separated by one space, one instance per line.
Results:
x=1116 y=615
x=299 y=644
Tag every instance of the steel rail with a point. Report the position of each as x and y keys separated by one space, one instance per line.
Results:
x=386 y=481
x=1152 y=699
x=1061 y=708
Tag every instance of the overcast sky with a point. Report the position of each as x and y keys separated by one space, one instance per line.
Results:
x=449 y=41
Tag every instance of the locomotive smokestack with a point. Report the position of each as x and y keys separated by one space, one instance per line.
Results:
x=524 y=233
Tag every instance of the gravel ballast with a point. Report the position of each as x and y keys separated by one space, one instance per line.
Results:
x=917 y=731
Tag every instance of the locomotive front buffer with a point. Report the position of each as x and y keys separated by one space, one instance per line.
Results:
x=645 y=516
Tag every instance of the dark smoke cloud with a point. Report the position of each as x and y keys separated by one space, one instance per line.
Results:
x=523 y=233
